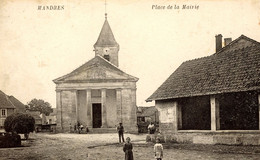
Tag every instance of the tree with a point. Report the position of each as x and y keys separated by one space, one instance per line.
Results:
x=20 y=123
x=39 y=105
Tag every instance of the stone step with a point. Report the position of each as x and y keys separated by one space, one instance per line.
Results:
x=103 y=130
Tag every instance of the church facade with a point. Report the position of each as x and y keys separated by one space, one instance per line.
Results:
x=98 y=94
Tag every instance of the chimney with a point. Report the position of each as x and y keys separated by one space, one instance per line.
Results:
x=218 y=42
x=227 y=41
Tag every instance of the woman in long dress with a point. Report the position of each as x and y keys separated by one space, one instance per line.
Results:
x=127 y=148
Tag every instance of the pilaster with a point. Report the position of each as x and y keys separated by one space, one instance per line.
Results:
x=133 y=116
x=119 y=104
x=103 y=105
x=175 y=116
x=75 y=106
x=214 y=108
x=89 y=108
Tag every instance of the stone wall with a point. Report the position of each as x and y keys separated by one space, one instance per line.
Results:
x=129 y=118
x=214 y=138
x=168 y=112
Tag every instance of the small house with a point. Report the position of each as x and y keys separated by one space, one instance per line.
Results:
x=214 y=99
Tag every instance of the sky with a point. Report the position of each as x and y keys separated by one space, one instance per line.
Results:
x=38 y=46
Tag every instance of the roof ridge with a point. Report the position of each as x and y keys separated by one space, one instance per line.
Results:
x=6 y=96
x=80 y=66
x=250 y=39
x=237 y=39
x=215 y=74
x=198 y=58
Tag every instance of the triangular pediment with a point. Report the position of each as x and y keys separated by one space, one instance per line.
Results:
x=96 y=73
x=96 y=69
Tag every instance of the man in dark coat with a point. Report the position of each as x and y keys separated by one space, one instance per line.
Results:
x=120 y=130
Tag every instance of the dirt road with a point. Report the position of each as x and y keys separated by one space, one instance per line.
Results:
x=105 y=147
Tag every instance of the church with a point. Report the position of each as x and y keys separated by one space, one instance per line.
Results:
x=98 y=94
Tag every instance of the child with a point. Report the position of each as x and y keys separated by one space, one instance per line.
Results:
x=128 y=150
x=158 y=149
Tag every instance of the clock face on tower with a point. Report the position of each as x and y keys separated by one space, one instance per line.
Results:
x=106 y=51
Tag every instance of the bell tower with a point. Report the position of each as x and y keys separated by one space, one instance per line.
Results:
x=106 y=45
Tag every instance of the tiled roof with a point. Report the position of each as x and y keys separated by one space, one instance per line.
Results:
x=106 y=37
x=146 y=111
x=5 y=101
x=235 y=68
x=97 y=62
x=18 y=105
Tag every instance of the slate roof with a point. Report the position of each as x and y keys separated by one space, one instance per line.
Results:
x=235 y=68
x=5 y=101
x=96 y=62
x=106 y=37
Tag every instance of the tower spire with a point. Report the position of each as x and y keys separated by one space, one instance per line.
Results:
x=106 y=45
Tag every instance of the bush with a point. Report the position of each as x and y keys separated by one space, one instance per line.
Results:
x=20 y=123
x=10 y=140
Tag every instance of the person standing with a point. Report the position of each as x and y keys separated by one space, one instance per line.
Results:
x=127 y=148
x=158 y=149
x=151 y=128
x=120 y=130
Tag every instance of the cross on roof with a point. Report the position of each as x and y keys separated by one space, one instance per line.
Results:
x=105 y=8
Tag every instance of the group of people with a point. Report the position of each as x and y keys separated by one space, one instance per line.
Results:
x=78 y=128
x=128 y=147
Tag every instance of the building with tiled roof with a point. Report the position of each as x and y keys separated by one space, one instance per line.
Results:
x=147 y=114
x=6 y=108
x=234 y=68
x=98 y=94
x=216 y=93
x=9 y=105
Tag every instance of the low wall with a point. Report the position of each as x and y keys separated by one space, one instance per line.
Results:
x=209 y=138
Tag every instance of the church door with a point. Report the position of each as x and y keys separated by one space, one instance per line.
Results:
x=97 y=116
